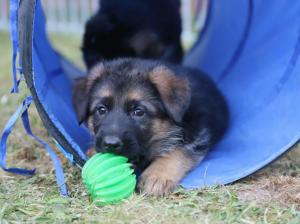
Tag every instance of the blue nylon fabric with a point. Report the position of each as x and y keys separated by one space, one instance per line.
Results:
x=14 y=5
x=54 y=87
x=23 y=111
x=69 y=156
x=6 y=132
x=241 y=44
x=56 y=162
x=261 y=84
x=17 y=85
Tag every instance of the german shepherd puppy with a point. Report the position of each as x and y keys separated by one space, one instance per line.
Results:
x=163 y=117
x=133 y=28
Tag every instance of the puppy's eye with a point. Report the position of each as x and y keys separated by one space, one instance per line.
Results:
x=101 y=110
x=138 y=112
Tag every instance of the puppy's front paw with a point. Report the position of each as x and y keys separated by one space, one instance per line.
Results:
x=164 y=173
x=156 y=184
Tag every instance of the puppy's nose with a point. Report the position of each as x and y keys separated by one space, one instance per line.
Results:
x=112 y=143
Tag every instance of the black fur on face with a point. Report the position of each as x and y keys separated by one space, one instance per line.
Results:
x=122 y=110
x=144 y=109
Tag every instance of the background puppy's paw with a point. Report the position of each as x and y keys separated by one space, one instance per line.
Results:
x=156 y=184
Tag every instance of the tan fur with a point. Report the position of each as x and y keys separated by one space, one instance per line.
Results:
x=169 y=85
x=167 y=82
x=90 y=152
x=164 y=137
x=160 y=129
x=165 y=173
x=104 y=92
x=139 y=95
x=160 y=125
x=90 y=123
x=134 y=95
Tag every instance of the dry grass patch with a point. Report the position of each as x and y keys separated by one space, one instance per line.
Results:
x=270 y=196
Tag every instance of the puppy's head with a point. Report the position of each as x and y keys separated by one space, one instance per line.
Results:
x=128 y=107
x=106 y=37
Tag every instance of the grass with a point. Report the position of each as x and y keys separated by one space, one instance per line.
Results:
x=269 y=196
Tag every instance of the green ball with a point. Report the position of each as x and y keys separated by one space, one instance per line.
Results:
x=108 y=178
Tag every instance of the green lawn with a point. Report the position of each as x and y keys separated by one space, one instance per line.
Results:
x=270 y=196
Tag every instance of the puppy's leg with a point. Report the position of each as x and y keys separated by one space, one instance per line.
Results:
x=165 y=173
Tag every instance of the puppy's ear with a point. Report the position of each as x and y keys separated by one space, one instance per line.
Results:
x=174 y=91
x=82 y=90
x=80 y=98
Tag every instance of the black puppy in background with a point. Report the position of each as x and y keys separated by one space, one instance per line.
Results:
x=134 y=28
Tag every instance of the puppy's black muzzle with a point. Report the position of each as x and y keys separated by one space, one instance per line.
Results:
x=112 y=143
x=116 y=135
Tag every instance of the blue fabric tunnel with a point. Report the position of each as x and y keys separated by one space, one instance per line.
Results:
x=249 y=47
